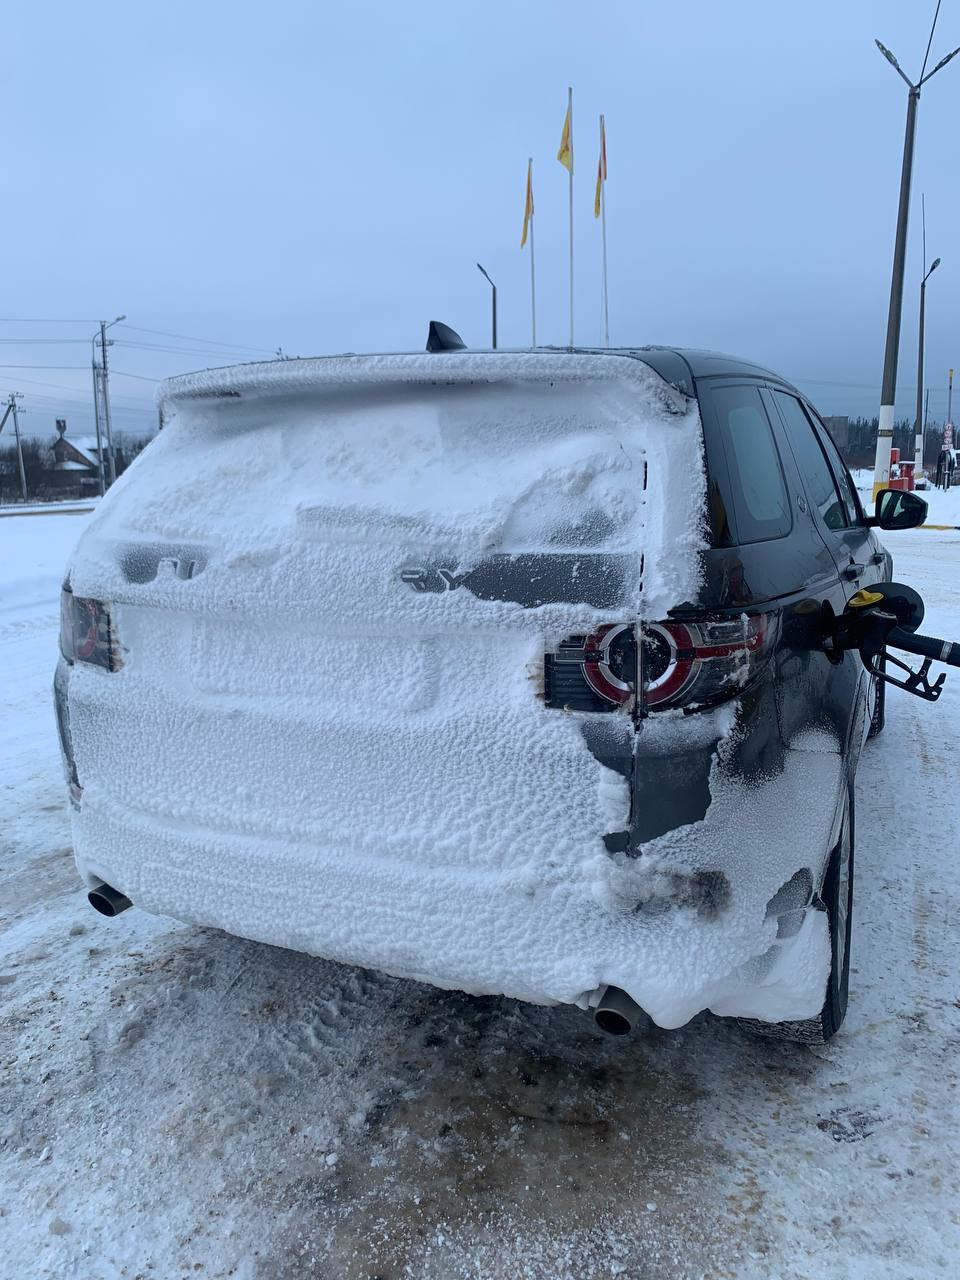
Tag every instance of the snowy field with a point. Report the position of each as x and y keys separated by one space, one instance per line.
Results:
x=177 y=1102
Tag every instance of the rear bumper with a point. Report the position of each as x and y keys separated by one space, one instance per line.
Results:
x=482 y=933
x=462 y=904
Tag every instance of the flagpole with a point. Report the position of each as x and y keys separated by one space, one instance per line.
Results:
x=533 y=277
x=570 y=118
x=603 y=237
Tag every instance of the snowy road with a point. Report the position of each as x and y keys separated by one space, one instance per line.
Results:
x=176 y=1102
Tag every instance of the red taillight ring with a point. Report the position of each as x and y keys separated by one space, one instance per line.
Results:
x=89 y=642
x=596 y=670
x=680 y=668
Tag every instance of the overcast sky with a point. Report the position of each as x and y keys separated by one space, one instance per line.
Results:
x=324 y=178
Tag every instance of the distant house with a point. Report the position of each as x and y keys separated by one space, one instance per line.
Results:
x=75 y=460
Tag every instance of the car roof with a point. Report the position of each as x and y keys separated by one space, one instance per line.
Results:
x=683 y=367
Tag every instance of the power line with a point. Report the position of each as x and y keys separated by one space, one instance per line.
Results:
x=214 y=353
x=185 y=337
x=79 y=368
x=77 y=397
x=41 y=320
x=122 y=373
x=57 y=403
x=857 y=386
x=161 y=333
x=60 y=386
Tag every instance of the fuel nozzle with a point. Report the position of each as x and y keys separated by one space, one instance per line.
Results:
x=885 y=615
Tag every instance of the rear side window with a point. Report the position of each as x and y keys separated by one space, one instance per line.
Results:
x=817 y=477
x=756 y=477
x=848 y=490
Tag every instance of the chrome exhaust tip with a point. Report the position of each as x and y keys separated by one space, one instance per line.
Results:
x=107 y=900
x=617 y=1013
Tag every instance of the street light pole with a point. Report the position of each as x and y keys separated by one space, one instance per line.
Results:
x=105 y=393
x=918 y=429
x=881 y=471
x=494 y=288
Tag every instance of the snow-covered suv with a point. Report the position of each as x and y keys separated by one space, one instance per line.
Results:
x=500 y=671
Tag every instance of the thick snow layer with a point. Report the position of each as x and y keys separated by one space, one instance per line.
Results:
x=290 y=710
x=302 y=748
x=175 y=1101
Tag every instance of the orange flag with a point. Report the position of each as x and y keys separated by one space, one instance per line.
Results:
x=565 y=154
x=528 y=208
x=601 y=169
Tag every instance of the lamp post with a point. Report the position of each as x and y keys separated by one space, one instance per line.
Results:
x=105 y=397
x=881 y=470
x=494 y=288
x=918 y=452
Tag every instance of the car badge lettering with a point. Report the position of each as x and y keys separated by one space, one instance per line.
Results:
x=425 y=578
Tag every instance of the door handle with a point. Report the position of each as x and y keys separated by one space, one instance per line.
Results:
x=853 y=571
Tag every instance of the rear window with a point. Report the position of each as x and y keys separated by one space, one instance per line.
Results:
x=756 y=477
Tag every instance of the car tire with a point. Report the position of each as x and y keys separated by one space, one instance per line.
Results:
x=878 y=718
x=836 y=899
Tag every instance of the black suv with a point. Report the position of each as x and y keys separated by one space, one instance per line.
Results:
x=518 y=672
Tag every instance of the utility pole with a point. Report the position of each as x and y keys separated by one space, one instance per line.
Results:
x=105 y=388
x=881 y=471
x=105 y=397
x=96 y=415
x=12 y=399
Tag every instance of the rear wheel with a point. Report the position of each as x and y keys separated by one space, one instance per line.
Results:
x=836 y=899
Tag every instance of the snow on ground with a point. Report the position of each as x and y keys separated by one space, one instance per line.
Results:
x=177 y=1102
x=944 y=505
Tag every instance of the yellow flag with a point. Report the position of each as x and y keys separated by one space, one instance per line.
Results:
x=528 y=208
x=601 y=169
x=565 y=154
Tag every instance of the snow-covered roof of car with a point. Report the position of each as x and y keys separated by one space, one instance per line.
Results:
x=283 y=377
x=678 y=366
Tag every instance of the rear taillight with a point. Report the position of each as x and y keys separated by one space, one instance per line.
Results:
x=683 y=664
x=86 y=632
x=593 y=673
x=695 y=664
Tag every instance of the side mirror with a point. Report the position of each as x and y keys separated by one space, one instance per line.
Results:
x=899 y=509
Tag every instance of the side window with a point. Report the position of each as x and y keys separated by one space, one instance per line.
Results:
x=817 y=477
x=756 y=478
x=848 y=490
